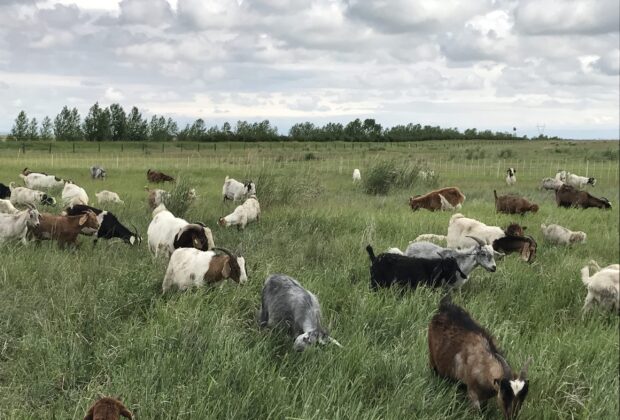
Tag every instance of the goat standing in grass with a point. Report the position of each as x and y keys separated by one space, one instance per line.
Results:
x=603 y=287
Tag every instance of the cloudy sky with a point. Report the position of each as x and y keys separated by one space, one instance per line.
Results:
x=459 y=63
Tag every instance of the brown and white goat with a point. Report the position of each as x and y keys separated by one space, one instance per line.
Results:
x=449 y=198
x=524 y=245
x=461 y=349
x=568 y=196
x=513 y=204
x=107 y=408
x=157 y=176
x=65 y=229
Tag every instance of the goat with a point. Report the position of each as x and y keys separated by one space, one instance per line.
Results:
x=559 y=235
x=107 y=409
x=579 y=182
x=156 y=197
x=429 y=237
x=426 y=174
x=357 y=176
x=525 y=245
x=65 y=229
x=73 y=194
x=561 y=176
x=449 y=198
x=461 y=229
x=568 y=196
x=462 y=350
x=189 y=267
x=285 y=302
x=551 y=184
x=512 y=204
x=15 y=226
x=603 y=287
x=388 y=269
x=157 y=176
x=98 y=172
x=243 y=214
x=5 y=192
x=35 y=180
x=109 y=225
x=7 y=207
x=167 y=233
x=511 y=177
x=108 y=197
x=236 y=191
x=28 y=197
x=467 y=260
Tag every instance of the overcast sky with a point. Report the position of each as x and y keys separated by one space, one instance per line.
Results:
x=456 y=63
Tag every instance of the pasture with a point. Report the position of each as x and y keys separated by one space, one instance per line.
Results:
x=77 y=324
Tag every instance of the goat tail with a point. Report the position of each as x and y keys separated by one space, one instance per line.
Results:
x=371 y=253
x=495 y=194
x=585 y=275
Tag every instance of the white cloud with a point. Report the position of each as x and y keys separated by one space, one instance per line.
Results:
x=113 y=95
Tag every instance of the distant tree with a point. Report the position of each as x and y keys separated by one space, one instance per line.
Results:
x=118 y=122
x=226 y=128
x=33 y=129
x=19 y=132
x=354 y=130
x=67 y=125
x=372 y=130
x=162 y=130
x=137 y=128
x=172 y=128
x=45 y=131
x=198 y=130
x=97 y=125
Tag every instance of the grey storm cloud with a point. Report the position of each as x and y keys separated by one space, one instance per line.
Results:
x=397 y=61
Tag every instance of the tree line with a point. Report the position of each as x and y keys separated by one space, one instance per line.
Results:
x=114 y=124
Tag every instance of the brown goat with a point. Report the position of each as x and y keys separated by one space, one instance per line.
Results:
x=524 y=245
x=223 y=267
x=514 y=229
x=513 y=204
x=453 y=198
x=107 y=409
x=65 y=229
x=460 y=349
x=568 y=196
x=156 y=197
x=157 y=176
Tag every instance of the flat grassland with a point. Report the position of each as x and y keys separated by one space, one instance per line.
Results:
x=78 y=324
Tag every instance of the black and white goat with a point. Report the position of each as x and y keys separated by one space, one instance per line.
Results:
x=109 y=225
x=388 y=269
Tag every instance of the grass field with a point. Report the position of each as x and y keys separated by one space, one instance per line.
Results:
x=75 y=325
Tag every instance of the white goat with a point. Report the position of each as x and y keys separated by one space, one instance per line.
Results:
x=559 y=235
x=14 y=227
x=603 y=287
x=35 y=180
x=561 y=176
x=7 y=207
x=106 y=196
x=243 y=214
x=551 y=184
x=579 y=182
x=511 y=177
x=236 y=191
x=429 y=237
x=460 y=227
x=72 y=195
x=28 y=197
x=357 y=176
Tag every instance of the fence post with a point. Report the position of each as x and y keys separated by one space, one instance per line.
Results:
x=73 y=147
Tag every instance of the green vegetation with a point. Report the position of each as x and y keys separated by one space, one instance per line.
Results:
x=79 y=324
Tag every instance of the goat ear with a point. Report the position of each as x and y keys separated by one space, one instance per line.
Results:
x=226 y=269
x=83 y=219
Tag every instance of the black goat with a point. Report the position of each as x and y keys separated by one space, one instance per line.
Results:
x=5 y=192
x=109 y=226
x=387 y=269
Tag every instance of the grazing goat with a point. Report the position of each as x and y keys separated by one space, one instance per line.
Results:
x=7 y=207
x=461 y=349
x=559 y=235
x=109 y=226
x=388 y=269
x=603 y=287
x=285 y=302
x=108 y=197
x=568 y=196
x=467 y=260
x=167 y=233
x=525 y=245
x=156 y=197
x=72 y=195
x=236 y=191
x=449 y=198
x=36 y=180
x=5 y=192
x=429 y=237
x=357 y=176
x=98 y=172
x=511 y=177
x=579 y=182
x=551 y=184
x=461 y=230
x=561 y=176
x=26 y=196
x=157 y=176
x=14 y=227
x=65 y=229
x=189 y=267
x=243 y=214
x=107 y=409
x=513 y=204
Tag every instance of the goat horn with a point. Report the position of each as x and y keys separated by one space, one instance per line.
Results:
x=478 y=240
x=505 y=366
x=333 y=340
x=526 y=365
x=225 y=251
x=135 y=230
